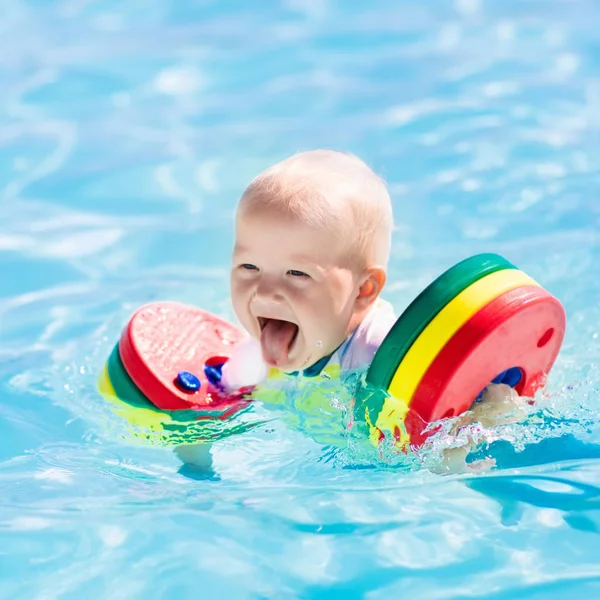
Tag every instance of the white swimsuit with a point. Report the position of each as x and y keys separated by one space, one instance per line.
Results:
x=247 y=368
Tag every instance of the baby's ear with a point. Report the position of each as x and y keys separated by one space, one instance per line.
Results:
x=373 y=281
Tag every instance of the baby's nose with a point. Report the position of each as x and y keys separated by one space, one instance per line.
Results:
x=268 y=291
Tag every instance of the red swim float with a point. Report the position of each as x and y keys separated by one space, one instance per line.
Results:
x=522 y=328
x=165 y=339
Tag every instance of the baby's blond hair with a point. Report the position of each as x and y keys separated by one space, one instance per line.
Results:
x=333 y=190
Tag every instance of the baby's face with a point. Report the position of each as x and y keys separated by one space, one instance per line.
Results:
x=291 y=288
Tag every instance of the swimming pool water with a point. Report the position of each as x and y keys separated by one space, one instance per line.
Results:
x=128 y=131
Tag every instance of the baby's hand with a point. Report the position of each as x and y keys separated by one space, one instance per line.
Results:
x=499 y=405
x=245 y=367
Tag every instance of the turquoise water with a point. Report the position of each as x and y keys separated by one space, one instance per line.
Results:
x=129 y=129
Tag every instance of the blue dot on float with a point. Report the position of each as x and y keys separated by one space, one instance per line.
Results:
x=214 y=373
x=188 y=381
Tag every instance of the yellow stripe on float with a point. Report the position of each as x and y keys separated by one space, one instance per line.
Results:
x=105 y=386
x=446 y=323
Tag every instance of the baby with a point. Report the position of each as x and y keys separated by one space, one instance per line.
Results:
x=312 y=244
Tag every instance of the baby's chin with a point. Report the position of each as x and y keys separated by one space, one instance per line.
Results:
x=307 y=360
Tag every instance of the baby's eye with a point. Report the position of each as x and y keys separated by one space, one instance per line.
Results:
x=296 y=273
x=249 y=267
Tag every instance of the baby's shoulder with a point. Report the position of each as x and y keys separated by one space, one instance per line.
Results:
x=368 y=336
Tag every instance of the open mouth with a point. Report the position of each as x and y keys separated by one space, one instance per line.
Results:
x=277 y=338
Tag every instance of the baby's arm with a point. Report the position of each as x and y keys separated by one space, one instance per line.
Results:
x=500 y=404
x=245 y=368
x=197 y=456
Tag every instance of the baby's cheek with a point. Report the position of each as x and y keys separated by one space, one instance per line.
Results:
x=324 y=324
x=240 y=290
x=240 y=308
x=235 y=302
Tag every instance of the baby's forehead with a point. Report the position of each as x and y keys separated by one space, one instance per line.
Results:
x=278 y=236
x=335 y=193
